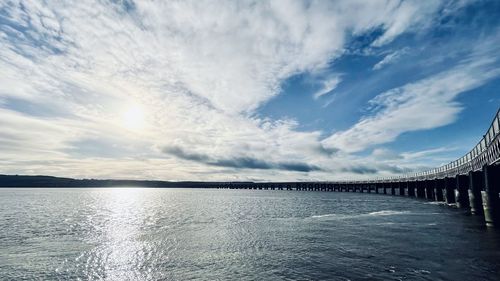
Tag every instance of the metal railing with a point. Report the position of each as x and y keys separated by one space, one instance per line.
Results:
x=486 y=152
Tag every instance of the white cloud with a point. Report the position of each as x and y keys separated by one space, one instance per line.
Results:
x=425 y=104
x=390 y=58
x=327 y=86
x=199 y=68
x=411 y=14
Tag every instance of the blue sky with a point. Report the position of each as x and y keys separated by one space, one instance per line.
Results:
x=244 y=90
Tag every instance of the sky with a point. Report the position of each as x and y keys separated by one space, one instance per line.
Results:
x=244 y=90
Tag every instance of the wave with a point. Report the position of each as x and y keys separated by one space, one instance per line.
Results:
x=435 y=203
x=388 y=213
x=378 y=213
x=324 y=216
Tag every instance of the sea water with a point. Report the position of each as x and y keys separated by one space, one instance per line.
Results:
x=211 y=234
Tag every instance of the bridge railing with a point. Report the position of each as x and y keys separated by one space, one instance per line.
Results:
x=486 y=152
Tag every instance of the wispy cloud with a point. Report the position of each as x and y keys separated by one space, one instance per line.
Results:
x=390 y=58
x=327 y=86
x=425 y=104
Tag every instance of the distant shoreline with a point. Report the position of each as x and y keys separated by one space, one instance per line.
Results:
x=50 y=181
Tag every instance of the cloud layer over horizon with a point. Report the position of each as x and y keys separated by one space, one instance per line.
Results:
x=200 y=73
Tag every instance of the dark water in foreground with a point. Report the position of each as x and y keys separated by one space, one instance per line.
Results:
x=189 y=234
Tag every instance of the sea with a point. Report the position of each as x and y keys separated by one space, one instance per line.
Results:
x=220 y=234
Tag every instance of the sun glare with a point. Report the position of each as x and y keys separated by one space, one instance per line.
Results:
x=133 y=118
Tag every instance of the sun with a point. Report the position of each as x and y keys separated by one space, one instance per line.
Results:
x=133 y=118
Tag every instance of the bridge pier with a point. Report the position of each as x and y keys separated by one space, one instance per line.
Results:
x=448 y=191
x=420 y=189
x=401 y=188
x=491 y=204
x=461 y=193
x=438 y=190
x=476 y=183
x=429 y=190
x=411 y=189
x=393 y=188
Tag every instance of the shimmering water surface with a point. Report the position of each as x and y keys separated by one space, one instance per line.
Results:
x=203 y=234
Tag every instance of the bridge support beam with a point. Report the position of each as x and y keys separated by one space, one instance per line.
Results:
x=420 y=189
x=461 y=193
x=401 y=188
x=438 y=190
x=449 y=193
x=429 y=190
x=491 y=201
x=411 y=189
x=393 y=188
x=476 y=183
x=417 y=188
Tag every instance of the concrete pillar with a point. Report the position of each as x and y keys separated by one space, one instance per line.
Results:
x=448 y=191
x=420 y=189
x=393 y=188
x=411 y=189
x=429 y=190
x=491 y=201
x=384 y=185
x=401 y=188
x=461 y=192
x=438 y=190
x=476 y=183
x=416 y=188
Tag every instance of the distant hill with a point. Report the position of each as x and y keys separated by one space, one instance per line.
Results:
x=48 y=181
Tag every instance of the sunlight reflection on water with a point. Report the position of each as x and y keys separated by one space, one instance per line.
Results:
x=179 y=234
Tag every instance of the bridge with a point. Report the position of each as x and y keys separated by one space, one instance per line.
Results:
x=471 y=183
